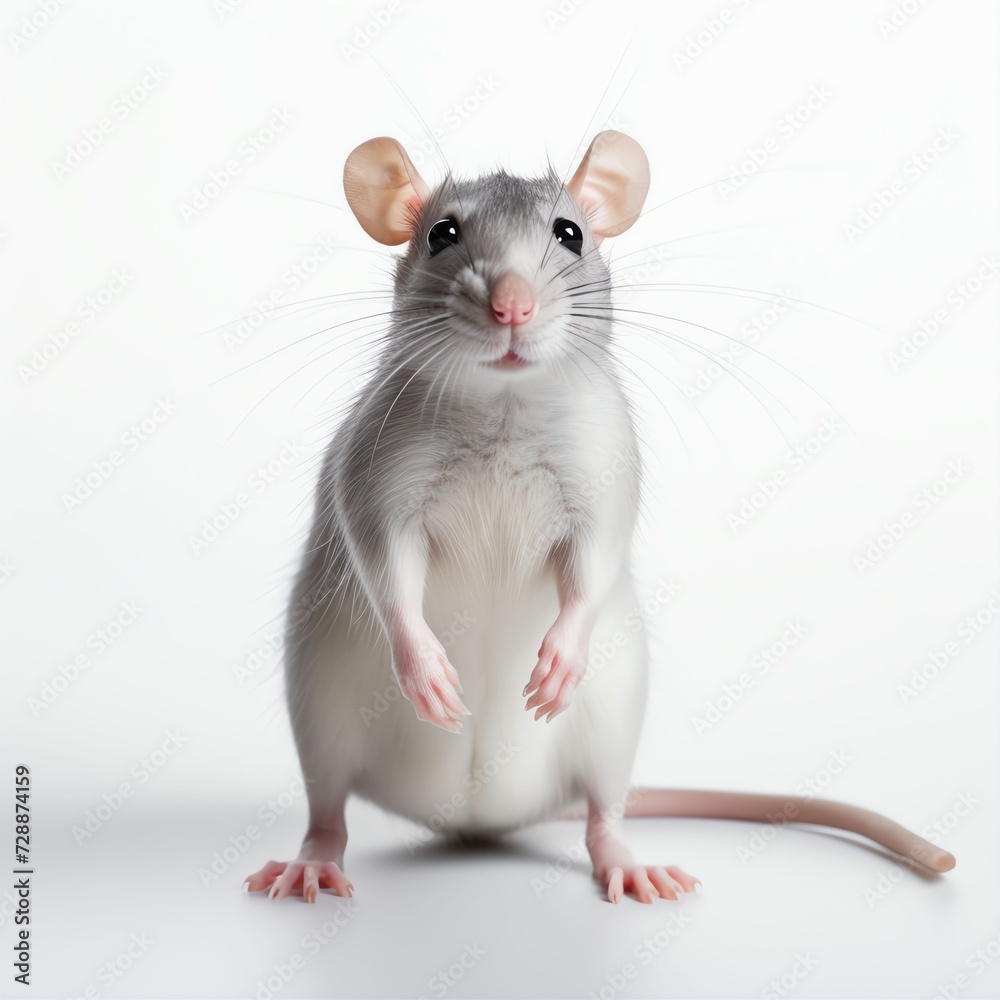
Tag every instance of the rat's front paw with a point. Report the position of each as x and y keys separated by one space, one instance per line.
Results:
x=562 y=661
x=429 y=682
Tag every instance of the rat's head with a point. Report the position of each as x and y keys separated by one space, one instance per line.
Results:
x=502 y=277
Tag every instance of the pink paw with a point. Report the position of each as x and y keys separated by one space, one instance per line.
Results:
x=648 y=882
x=310 y=875
x=562 y=661
x=429 y=682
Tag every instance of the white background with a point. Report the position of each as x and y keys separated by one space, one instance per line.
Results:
x=831 y=917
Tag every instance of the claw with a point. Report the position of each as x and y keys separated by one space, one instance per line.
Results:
x=647 y=883
x=429 y=682
x=562 y=661
x=281 y=878
x=616 y=885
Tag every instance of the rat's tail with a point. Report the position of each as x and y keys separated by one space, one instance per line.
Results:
x=775 y=809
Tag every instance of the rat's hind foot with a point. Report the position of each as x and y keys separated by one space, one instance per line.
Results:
x=647 y=882
x=283 y=877
x=616 y=870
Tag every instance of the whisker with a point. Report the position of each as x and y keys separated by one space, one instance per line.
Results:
x=424 y=338
x=287 y=378
x=448 y=178
x=296 y=343
x=717 y=181
x=677 y=319
x=315 y=201
x=759 y=294
x=583 y=333
x=666 y=243
x=708 y=353
x=392 y=405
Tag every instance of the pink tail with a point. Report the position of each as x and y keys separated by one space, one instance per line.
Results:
x=663 y=802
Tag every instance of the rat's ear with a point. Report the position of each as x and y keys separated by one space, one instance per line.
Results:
x=611 y=183
x=384 y=190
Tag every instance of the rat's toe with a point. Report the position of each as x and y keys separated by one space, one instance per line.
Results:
x=262 y=879
x=687 y=882
x=616 y=885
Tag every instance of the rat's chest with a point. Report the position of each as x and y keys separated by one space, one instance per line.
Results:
x=499 y=510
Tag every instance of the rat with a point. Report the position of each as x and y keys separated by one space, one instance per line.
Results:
x=456 y=503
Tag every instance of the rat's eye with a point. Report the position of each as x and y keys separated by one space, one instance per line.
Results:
x=444 y=233
x=569 y=235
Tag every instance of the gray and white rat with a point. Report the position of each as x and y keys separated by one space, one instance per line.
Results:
x=461 y=484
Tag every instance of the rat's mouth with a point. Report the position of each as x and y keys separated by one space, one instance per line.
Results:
x=509 y=361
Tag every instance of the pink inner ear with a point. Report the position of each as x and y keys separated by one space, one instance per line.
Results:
x=593 y=197
x=415 y=205
x=384 y=190
x=409 y=208
x=611 y=183
x=405 y=215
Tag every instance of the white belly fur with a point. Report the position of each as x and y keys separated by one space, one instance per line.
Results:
x=505 y=769
x=491 y=604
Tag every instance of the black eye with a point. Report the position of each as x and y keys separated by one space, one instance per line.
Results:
x=444 y=233
x=569 y=234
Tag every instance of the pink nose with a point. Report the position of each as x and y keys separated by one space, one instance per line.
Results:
x=512 y=300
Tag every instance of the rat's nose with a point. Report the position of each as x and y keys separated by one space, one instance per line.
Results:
x=512 y=300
